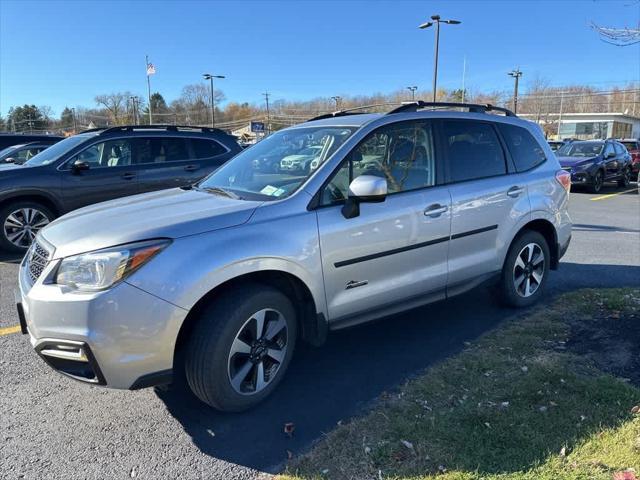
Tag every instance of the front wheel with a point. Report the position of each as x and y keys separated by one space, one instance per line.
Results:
x=525 y=270
x=241 y=347
x=598 y=180
x=21 y=221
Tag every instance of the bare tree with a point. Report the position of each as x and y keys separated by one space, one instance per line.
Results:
x=116 y=105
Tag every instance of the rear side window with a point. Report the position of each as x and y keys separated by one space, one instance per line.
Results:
x=161 y=150
x=473 y=150
x=203 y=148
x=619 y=149
x=524 y=149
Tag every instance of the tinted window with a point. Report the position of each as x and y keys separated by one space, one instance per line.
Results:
x=608 y=150
x=161 y=150
x=524 y=149
x=206 y=148
x=473 y=150
x=619 y=149
x=403 y=154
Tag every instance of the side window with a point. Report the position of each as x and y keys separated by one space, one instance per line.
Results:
x=26 y=153
x=203 y=148
x=473 y=150
x=524 y=149
x=161 y=150
x=112 y=153
x=402 y=153
x=619 y=149
x=608 y=150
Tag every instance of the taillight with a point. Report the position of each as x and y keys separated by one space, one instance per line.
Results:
x=564 y=178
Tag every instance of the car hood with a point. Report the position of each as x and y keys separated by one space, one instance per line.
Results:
x=170 y=213
x=571 y=161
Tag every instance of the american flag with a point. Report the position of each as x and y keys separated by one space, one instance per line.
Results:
x=151 y=69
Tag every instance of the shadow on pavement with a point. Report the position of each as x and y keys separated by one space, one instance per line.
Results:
x=9 y=257
x=335 y=382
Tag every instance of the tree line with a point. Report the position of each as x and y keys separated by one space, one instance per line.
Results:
x=541 y=101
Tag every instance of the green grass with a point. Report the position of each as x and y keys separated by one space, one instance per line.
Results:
x=516 y=404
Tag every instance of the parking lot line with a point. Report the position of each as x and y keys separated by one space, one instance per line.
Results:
x=9 y=330
x=603 y=197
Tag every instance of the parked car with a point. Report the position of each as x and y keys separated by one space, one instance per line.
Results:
x=591 y=163
x=301 y=161
x=271 y=162
x=555 y=144
x=100 y=165
x=8 y=139
x=218 y=282
x=21 y=153
x=633 y=147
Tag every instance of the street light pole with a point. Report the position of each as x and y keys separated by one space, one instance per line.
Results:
x=210 y=77
x=337 y=100
x=266 y=98
x=516 y=74
x=413 y=92
x=436 y=20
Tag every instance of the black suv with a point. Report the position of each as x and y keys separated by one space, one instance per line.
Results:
x=103 y=164
x=593 y=162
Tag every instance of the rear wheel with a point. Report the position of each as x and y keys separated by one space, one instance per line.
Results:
x=598 y=180
x=625 y=180
x=525 y=270
x=21 y=221
x=241 y=347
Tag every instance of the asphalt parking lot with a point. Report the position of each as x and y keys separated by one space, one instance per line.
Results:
x=53 y=427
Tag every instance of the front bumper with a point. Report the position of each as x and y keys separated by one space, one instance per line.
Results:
x=115 y=337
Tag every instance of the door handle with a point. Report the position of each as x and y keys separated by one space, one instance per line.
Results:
x=435 y=210
x=515 y=191
x=191 y=168
x=128 y=176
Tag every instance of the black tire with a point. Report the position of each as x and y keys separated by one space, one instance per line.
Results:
x=6 y=211
x=598 y=180
x=625 y=180
x=507 y=287
x=208 y=350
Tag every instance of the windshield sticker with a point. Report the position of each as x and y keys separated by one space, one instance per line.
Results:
x=269 y=190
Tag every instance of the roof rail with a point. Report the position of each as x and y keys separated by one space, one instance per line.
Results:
x=349 y=111
x=473 y=107
x=169 y=128
x=97 y=129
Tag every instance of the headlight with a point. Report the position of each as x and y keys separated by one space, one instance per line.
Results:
x=584 y=166
x=94 y=271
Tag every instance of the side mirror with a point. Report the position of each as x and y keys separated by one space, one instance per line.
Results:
x=365 y=188
x=79 y=165
x=10 y=160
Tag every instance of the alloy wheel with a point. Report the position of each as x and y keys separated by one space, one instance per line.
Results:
x=597 y=182
x=258 y=351
x=528 y=270
x=22 y=225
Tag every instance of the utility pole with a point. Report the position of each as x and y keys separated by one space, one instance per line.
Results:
x=266 y=98
x=337 y=100
x=150 y=71
x=210 y=77
x=464 y=74
x=516 y=74
x=75 y=123
x=437 y=21
x=413 y=92
x=560 y=116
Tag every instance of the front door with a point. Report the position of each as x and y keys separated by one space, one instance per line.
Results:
x=112 y=173
x=394 y=251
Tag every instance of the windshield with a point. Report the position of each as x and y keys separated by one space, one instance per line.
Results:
x=580 y=149
x=6 y=152
x=54 y=152
x=275 y=167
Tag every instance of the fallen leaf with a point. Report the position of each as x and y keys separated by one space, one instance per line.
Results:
x=636 y=409
x=525 y=369
x=487 y=424
x=289 y=427
x=504 y=404
x=543 y=408
x=325 y=471
x=409 y=445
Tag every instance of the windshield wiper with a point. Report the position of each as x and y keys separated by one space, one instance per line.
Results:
x=221 y=191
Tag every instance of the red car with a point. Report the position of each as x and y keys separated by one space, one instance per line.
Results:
x=633 y=146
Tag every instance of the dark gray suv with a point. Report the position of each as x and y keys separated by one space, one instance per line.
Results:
x=103 y=164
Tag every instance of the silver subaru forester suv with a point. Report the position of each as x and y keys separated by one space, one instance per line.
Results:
x=216 y=282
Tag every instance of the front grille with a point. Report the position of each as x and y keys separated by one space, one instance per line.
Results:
x=37 y=259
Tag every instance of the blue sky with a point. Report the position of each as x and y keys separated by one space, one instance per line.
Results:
x=64 y=53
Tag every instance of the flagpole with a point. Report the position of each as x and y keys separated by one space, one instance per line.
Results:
x=148 y=88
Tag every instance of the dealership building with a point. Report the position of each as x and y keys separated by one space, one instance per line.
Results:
x=588 y=126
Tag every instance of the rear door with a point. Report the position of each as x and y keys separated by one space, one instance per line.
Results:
x=112 y=173
x=165 y=161
x=207 y=155
x=488 y=199
x=611 y=161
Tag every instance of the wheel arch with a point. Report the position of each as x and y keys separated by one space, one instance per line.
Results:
x=313 y=326
x=35 y=196
x=548 y=231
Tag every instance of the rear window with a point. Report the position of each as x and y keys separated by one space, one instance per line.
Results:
x=473 y=150
x=203 y=148
x=525 y=150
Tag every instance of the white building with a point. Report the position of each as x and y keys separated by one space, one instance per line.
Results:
x=586 y=126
